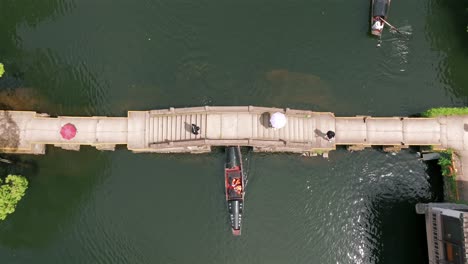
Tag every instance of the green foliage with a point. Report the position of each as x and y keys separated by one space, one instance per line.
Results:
x=2 y=70
x=445 y=161
x=444 y=111
x=450 y=179
x=11 y=192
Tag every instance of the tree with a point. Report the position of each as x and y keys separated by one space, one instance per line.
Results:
x=11 y=192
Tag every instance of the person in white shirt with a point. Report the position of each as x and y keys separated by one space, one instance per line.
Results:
x=378 y=25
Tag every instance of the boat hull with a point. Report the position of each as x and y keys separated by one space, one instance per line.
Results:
x=235 y=208
x=376 y=33
x=234 y=188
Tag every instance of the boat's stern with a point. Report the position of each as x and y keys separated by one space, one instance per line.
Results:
x=376 y=32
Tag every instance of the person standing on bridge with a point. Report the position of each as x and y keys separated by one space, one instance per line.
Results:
x=330 y=135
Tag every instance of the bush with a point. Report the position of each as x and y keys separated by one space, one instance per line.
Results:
x=445 y=161
x=11 y=192
x=445 y=111
x=450 y=178
x=2 y=70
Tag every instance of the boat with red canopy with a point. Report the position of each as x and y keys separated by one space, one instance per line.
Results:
x=234 y=187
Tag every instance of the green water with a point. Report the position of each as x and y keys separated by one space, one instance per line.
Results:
x=106 y=57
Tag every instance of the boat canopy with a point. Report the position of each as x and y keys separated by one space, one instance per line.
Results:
x=232 y=194
x=380 y=8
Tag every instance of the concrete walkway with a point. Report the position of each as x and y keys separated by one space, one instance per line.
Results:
x=168 y=130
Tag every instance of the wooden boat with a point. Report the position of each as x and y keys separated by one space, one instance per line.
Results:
x=379 y=9
x=235 y=188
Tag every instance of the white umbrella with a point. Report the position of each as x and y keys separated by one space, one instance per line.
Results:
x=278 y=120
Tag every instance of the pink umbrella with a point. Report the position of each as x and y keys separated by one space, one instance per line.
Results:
x=68 y=131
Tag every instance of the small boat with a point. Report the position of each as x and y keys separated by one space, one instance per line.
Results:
x=379 y=10
x=235 y=187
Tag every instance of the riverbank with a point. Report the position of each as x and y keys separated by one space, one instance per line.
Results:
x=452 y=163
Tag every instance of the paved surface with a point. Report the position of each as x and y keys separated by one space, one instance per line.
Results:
x=29 y=132
x=168 y=130
x=394 y=131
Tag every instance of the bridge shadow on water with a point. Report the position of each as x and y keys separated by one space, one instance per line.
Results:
x=393 y=183
x=397 y=220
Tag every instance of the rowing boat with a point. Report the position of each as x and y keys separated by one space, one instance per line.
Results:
x=379 y=9
x=234 y=187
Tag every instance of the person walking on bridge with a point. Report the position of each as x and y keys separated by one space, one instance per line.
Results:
x=330 y=135
x=195 y=129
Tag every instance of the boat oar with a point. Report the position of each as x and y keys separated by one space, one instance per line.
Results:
x=392 y=27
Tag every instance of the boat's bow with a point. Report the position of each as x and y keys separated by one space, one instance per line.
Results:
x=235 y=212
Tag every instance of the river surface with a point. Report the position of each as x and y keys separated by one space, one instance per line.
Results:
x=105 y=57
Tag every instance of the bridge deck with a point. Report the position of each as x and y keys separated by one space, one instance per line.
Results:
x=169 y=130
x=387 y=131
x=157 y=130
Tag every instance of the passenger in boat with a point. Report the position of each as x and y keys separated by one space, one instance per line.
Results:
x=236 y=182
x=378 y=25
x=236 y=185
x=195 y=129
x=238 y=189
